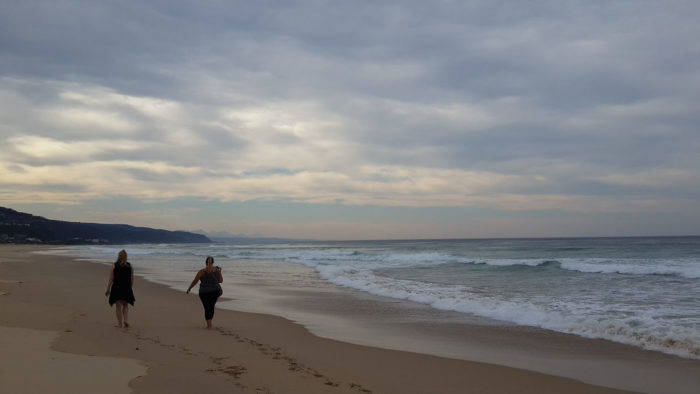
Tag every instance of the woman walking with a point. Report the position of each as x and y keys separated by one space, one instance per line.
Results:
x=209 y=288
x=119 y=288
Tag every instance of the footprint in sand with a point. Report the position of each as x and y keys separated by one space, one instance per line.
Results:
x=359 y=388
x=3 y=293
x=234 y=370
x=275 y=353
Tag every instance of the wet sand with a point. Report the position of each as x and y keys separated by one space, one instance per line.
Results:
x=245 y=353
x=356 y=317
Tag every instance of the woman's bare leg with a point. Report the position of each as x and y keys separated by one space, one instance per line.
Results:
x=118 y=309
x=125 y=312
x=209 y=324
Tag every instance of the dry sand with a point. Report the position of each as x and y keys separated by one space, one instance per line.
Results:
x=28 y=365
x=55 y=320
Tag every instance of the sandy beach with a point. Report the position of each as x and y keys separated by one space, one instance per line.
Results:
x=56 y=320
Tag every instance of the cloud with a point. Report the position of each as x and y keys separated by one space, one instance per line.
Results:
x=500 y=106
x=47 y=149
x=662 y=180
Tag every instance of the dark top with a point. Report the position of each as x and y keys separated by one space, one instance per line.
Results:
x=121 y=286
x=209 y=283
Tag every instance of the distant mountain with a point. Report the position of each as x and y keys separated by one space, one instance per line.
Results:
x=251 y=240
x=19 y=227
x=225 y=237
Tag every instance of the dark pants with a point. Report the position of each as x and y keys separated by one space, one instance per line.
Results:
x=209 y=300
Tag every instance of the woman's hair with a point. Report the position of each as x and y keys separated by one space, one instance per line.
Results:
x=210 y=264
x=121 y=257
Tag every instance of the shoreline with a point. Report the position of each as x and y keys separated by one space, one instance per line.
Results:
x=247 y=352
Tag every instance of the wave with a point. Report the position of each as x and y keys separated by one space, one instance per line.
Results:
x=368 y=258
x=573 y=318
x=686 y=268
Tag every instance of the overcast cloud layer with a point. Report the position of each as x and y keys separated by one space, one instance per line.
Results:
x=526 y=118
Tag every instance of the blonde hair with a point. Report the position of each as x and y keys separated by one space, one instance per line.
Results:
x=121 y=257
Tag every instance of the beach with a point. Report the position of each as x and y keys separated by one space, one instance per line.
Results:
x=57 y=305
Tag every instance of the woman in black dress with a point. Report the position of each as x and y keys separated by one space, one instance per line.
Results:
x=209 y=288
x=121 y=278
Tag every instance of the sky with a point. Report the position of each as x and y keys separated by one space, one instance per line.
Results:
x=355 y=119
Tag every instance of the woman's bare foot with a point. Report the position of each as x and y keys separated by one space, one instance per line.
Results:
x=126 y=324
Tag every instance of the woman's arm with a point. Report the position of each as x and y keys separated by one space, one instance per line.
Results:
x=194 y=281
x=111 y=280
x=218 y=273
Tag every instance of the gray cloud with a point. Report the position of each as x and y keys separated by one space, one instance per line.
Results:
x=390 y=102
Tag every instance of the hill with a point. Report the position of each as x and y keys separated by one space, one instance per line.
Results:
x=19 y=227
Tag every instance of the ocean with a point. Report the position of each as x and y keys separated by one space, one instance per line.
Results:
x=642 y=292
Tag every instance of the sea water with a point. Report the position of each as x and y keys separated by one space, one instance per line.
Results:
x=643 y=292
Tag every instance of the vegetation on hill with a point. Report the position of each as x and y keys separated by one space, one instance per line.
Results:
x=19 y=227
